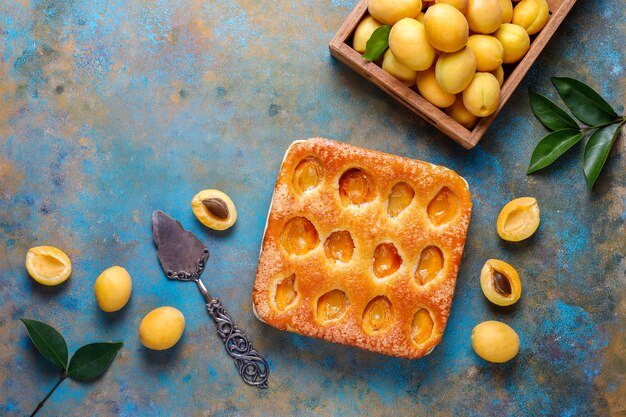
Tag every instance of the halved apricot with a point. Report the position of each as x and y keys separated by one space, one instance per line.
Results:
x=308 y=174
x=430 y=263
x=285 y=292
x=48 y=265
x=386 y=260
x=332 y=306
x=500 y=282
x=422 y=326
x=339 y=246
x=519 y=219
x=399 y=198
x=356 y=187
x=443 y=207
x=378 y=315
x=299 y=236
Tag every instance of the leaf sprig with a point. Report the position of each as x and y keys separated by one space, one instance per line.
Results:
x=587 y=106
x=88 y=362
x=377 y=43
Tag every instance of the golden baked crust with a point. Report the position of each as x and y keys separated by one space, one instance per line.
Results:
x=377 y=313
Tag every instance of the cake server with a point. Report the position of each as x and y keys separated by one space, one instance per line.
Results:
x=183 y=257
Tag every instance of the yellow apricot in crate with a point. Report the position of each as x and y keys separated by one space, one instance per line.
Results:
x=488 y=50
x=161 y=328
x=398 y=70
x=420 y=17
x=515 y=41
x=482 y=95
x=459 y=113
x=48 y=265
x=446 y=27
x=454 y=71
x=499 y=74
x=392 y=11
x=363 y=33
x=483 y=16
x=495 y=342
x=506 y=7
x=112 y=289
x=409 y=45
x=532 y=15
x=460 y=5
x=519 y=219
x=429 y=89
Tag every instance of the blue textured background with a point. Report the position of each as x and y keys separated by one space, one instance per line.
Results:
x=111 y=109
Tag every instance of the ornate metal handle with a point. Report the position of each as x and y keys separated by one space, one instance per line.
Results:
x=253 y=368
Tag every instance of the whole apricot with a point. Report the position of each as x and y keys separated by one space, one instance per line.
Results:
x=459 y=113
x=494 y=341
x=400 y=71
x=515 y=41
x=506 y=7
x=409 y=45
x=532 y=15
x=454 y=71
x=446 y=27
x=363 y=33
x=483 y=16
x=429 y=89
x=112 y=289
x=488 y=50
x=161 y=328
x=482 y=95
x=392 y=11
x=460 y=5
x=499 y=74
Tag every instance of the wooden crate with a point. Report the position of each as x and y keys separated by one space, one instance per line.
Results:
x=341 y=49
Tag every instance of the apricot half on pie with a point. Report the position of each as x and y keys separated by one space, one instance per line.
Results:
x=362 y=248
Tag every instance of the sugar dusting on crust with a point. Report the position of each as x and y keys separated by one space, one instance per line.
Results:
x=369 y=225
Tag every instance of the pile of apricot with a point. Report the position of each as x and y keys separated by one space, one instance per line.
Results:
x=453 y=50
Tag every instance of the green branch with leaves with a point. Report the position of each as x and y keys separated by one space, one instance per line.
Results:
x=88 y=362
x=587 y=106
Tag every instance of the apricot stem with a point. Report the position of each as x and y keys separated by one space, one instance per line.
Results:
x=63 y=376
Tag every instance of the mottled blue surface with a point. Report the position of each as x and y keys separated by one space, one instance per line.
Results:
x=111 y=109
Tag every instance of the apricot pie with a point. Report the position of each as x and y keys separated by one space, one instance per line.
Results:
x=362 y=248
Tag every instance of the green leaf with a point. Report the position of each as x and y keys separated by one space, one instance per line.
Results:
x=48 y=341
x=552 y=116
x=551 y=147
x=91 y=360
x=597 y=151
x=584 y=102
x=377 y=43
